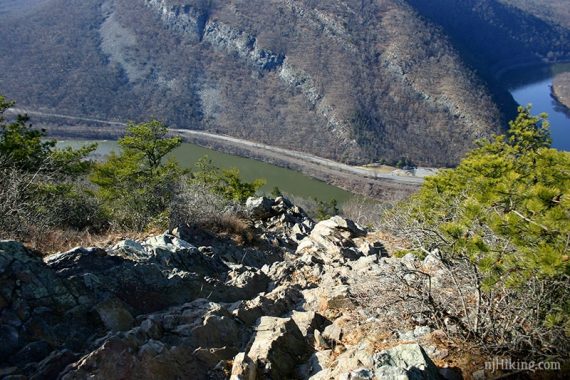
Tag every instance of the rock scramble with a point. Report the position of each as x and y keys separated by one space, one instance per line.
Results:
x=170 y=307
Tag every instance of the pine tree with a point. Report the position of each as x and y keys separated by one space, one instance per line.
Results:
x=505 y=210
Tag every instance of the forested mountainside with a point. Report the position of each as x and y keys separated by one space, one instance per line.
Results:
x=356 y=81
x=495 y=34
x=556 y=11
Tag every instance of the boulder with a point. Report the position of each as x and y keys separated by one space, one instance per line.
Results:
x=34 y=300
x=187 y=339
x=276 y=303
x=332 y=240
x=316 y=363
x=277 y=348
x=358 y=374
x=260 y=208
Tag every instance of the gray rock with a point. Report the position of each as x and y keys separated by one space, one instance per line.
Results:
x=308 y=321
x=358 y=374
x=375 y=248
x=332 y=240
x=316 y=363
x=260 y=208
x=54 y=364
x=277 y=348
x=333 y=333
x=276 y=303
x=388 y=372
x=114 y=315
x=243 y=368
x=410 y=357
x=320 y=342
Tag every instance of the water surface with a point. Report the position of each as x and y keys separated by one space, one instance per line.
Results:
x=288 y=181
x=534 y=85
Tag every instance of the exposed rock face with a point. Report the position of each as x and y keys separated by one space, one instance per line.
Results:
x=164 y=308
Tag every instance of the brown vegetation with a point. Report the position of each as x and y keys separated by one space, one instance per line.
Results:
x=392 y=82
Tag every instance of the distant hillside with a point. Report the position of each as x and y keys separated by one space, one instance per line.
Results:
x=493 y=34
x=356 y=81
x=557 y=11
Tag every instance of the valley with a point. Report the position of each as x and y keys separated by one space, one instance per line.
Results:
x=355 y=82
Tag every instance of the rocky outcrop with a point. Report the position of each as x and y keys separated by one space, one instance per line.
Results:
x=166 y=306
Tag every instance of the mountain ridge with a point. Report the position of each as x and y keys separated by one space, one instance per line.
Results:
x=357 y=82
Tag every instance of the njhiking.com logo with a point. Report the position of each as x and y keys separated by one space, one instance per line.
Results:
x=507 y=364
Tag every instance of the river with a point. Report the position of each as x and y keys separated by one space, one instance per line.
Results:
x=288 y=181
x=534 y=85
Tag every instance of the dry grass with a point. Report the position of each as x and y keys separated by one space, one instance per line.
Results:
x=236 y=227
x=57 y=240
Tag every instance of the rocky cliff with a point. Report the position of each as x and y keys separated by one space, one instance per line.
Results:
x=185 y=304
x=356 y=81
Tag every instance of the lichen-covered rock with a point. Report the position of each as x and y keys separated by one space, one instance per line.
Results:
x=34 y=301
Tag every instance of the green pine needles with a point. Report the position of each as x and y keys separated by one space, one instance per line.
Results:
x=504 y=213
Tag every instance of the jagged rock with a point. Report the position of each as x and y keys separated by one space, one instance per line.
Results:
x=162 y=308
x=54 y=364
x=277 y=348
x=320 y=342
x=33 y=296
x=194 y=338
x=356 y=357
x=332 y=240
x=260 y=208
x=392 y=373
x=410 y=357
x=340 y=223
x=333 y=333
x=308 y=321
x=157 y=273
x=371 y=248
x=283 y=224
x=244 y=284
x=243 y=368
x=276 y=303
